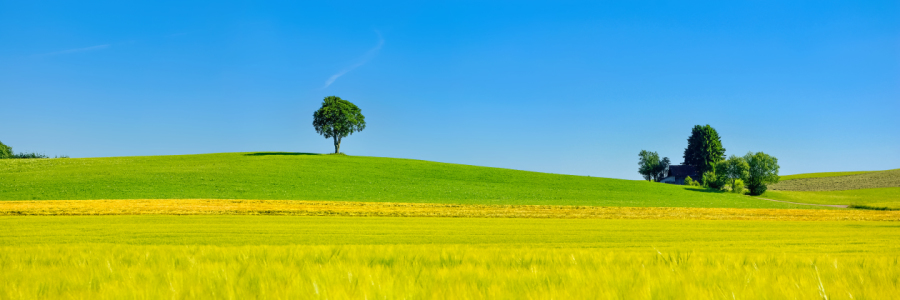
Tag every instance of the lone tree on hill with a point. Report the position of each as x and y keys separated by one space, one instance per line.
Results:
x=704 y=149
x=337 y=119
x=651 y=167
x=763 y=169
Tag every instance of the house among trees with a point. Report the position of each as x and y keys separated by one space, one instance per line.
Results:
x=677 y=174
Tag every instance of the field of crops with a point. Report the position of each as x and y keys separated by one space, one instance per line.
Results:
x=382 y=228
x=331 y=208
x=281 y=257
x=868 y=180
x=294 y=176
x=429 y=272
x=872 y=190
x=822 y=174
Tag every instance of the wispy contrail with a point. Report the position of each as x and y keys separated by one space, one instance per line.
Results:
x=362 y=60
x=91 y=48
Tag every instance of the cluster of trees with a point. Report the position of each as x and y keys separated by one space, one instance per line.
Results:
x=706 y=154
x=651 y=167
x=7 y=152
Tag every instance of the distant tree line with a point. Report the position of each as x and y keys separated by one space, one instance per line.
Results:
x=705 y=153
x=6 y=152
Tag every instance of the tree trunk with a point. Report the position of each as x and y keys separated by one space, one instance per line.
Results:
x=337 y=145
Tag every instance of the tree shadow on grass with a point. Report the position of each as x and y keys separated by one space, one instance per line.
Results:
x=705 y=190
x=279 y=153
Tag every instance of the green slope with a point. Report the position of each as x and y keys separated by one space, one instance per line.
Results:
x=296 y=176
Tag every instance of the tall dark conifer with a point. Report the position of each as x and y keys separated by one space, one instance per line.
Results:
x=704 y=148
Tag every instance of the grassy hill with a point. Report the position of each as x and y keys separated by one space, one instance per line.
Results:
x=298 y=176
x=822 y=174
x=879 y=189
x=864 y=180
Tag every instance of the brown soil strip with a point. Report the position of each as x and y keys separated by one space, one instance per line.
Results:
x=828 y=205
x=330 y=208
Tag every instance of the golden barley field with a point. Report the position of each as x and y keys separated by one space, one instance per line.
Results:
x=334 y=208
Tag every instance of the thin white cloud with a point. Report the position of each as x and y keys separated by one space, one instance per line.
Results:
x=91 y=48
x=361 y=61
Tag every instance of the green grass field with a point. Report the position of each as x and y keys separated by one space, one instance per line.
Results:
x=293 y=176
x=239 y=257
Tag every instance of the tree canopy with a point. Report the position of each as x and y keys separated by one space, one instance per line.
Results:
x=338 y=118
x=735 y=168
x=762 y=170
x=5 y=151
x=704 y=149
x=714 y=178
x=651 y=167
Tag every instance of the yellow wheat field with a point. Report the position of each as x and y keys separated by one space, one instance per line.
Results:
x=329 y=208
x=432 y=272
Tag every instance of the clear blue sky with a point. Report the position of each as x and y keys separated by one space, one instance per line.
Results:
x=561 y=87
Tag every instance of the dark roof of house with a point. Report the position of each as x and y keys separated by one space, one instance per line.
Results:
x=682 y=171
